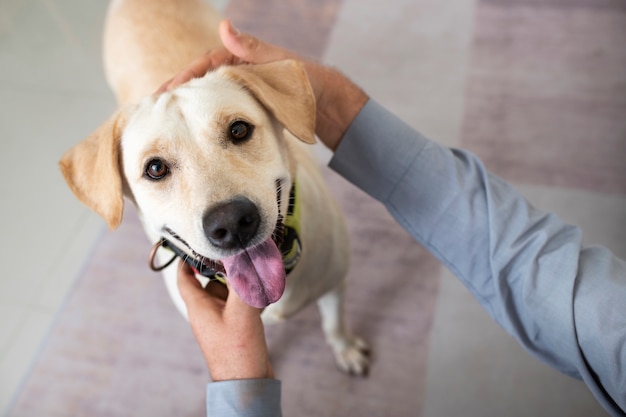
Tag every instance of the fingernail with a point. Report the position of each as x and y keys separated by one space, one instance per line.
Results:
x=233 y=30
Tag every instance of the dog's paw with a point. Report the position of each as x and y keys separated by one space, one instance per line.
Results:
x=353 y=356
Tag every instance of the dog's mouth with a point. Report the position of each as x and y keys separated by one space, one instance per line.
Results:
x=256 y=273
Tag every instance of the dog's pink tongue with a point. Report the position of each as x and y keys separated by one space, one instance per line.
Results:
x=257 y=274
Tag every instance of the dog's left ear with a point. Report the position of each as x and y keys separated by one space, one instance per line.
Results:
x=284 y=88
x=92 y=170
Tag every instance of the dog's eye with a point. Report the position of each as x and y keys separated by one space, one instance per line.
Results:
x=156 y=169
x=240 y=131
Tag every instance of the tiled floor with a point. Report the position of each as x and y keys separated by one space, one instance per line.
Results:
x=52 y=92
x=547 y=76
x=535 y=88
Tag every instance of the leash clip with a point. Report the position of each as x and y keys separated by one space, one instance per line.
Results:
x=161 y=243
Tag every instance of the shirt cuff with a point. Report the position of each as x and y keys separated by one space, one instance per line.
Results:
x=244 y=398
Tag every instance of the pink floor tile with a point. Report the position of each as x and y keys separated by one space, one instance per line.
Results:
x=546 y=102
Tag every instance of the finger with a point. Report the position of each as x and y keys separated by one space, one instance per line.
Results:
x=249 y=48
x=204 y=311
x=199 y=67
x=188 y=285
x=190 y=288
x=236 y=307
x=163 y=87
x=217 y=289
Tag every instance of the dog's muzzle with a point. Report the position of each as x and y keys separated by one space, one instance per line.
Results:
x=234 y=224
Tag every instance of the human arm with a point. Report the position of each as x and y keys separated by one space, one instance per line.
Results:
x=232 y=340
x=529 y=270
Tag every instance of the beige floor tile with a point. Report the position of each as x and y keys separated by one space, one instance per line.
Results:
x=45 y=220
x=411 y=56
x=11 y=315
x=52 y=94
x=17 y=357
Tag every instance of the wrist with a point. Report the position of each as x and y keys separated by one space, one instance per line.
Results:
x=236 y=370
x=338 y=102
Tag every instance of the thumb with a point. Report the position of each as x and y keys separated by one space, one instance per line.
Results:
x=236 y=307
x=192 y=292
x=248 y=48
x=188 y=285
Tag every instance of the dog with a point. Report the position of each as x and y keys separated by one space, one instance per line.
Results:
x=219 y=168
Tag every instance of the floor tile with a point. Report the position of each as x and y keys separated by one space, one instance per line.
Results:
x=52 y=95
x=11 y=315
x=477 y=369
x=46 y=218
x=54 y=45
x=17 y=358
x=411 y=56
x=8 y=10
x=546 y=95
x=301 y=26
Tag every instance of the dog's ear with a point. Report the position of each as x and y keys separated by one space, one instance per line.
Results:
x=92 y=170
x=282 y=87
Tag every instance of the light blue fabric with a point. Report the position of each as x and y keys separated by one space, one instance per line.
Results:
x=563 y=302
x=244 y=398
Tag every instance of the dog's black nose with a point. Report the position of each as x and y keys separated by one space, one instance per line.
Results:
x=233 y=224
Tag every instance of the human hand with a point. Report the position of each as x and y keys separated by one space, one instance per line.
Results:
x=338 y=99
x=230 y=332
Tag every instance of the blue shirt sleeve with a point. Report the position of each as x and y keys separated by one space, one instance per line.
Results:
x=565 y=303
x=244 y=398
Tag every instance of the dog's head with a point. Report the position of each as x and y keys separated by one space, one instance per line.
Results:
x=207 y=166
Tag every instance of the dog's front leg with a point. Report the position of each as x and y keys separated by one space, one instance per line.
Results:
x=351 y=352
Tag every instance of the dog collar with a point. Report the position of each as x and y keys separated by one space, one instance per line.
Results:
x=290 y=245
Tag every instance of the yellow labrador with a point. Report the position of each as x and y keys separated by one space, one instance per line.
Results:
x=218 y=168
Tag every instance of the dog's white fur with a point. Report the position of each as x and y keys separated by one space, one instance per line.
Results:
x=148 y=41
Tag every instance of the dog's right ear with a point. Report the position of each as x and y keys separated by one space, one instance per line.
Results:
x=92 y=169
x=283 y=87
